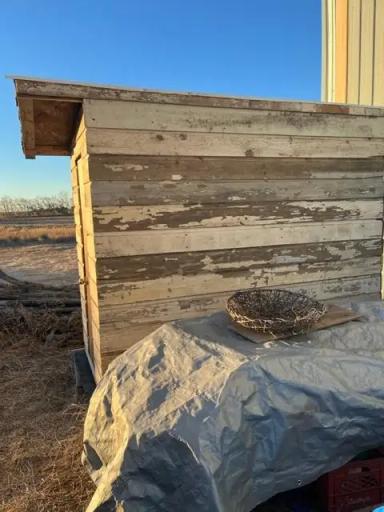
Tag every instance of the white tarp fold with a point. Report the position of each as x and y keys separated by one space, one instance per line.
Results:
x=195 y=418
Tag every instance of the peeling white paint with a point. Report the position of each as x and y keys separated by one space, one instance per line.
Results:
x=236 y=198
x=126 y=167
x=180 y=285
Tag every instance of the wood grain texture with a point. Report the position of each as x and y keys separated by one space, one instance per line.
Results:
x=123 y=193
x=116 y=340
x=51 y=119
x=130 y=115
x=136 y=218
x=81 y=261
x=216 y=281
x=119 y=334
x=79 y=145
x=27 y=120
x=149 y=267
x=139 y=314
x=85 y=245
x=78 y=91
x=87 y=221
x=86 y=251
x=152 y=168
x=185 y=240
x=184 y=199
x=115 y=141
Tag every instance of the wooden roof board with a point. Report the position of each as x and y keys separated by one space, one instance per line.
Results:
x=47 y=126
x=79 y=91
x=50 y=118
x=49 y=108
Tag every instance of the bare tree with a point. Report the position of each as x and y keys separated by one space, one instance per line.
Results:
x=59 y=204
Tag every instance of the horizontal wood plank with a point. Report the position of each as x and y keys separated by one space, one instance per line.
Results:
x=135 y=315
x=153 y=266
x=122 y=193
x=72 y=91
x=118 y=340
x=106 y=360
x=189 y=240
x=164 y=168
x=132 y=115
x=257 y=276
x=134 y=218
x=114 y=141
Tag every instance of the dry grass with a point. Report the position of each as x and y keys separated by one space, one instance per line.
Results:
x=41 y=425
x=50 y=233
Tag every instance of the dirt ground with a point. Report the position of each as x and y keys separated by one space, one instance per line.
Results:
x=41 y=418
x=47 y=263
x=41 y=415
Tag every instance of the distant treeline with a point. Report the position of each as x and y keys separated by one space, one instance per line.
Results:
x=59 y=204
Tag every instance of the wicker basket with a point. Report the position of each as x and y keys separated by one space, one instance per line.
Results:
x=274 y=311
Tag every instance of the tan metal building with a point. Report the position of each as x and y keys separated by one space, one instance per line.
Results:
x=353 y=51
x=181 y=199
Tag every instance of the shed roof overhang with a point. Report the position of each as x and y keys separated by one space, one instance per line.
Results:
x=49 y=110
x=48 y=119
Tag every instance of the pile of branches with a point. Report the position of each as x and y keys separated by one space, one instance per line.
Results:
x=37 y=312
x=35 y=295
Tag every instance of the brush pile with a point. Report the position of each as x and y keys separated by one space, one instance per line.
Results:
x=41 y=426
x=36 y=295
x=38 y=312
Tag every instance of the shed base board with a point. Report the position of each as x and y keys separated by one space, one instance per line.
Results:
x=108 y=357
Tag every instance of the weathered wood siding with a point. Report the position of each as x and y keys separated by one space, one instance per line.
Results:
x=353 y=51
x=84 y=245
x=187 y=203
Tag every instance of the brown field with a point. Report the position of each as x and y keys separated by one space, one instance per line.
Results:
x=19 y=234
x=41 y=417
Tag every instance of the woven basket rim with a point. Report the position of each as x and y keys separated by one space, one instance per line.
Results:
x=288 y=311
x=267 y=291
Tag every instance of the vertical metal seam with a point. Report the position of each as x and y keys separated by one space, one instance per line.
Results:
x=373 y=53
x=347 y=57
x=324 y=49
x=359 y=72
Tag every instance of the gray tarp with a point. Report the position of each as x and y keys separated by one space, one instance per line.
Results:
x=195 y=418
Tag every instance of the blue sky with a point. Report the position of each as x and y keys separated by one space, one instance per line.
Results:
x=265 y=48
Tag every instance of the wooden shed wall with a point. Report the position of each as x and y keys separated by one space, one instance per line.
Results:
x=186 y=204
x=84 y=243
x=353 y=51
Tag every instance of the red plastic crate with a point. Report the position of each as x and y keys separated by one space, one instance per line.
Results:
x=355 y=501
x=356 y=485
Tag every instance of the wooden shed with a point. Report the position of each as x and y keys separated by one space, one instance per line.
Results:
x=181 y=199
